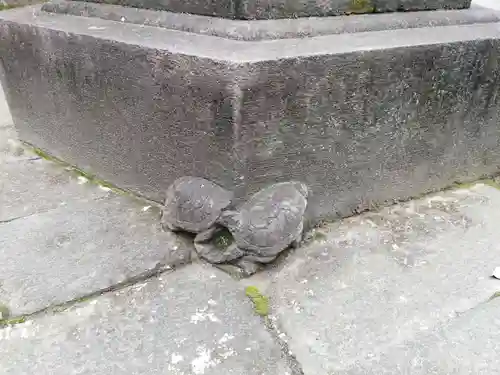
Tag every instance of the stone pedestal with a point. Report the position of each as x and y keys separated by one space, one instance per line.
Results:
x=365 y=109
x=274 y=9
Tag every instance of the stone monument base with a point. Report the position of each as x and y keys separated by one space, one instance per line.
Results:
x=364 y=109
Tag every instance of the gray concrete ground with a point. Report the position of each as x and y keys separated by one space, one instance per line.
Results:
x=102 y=289
x=94 y=286
x=491 y=4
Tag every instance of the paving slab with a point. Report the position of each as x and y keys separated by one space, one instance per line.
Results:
x=29 y=185
x=193 y=321
x=379 y=279
x=9 y=147
x=492 y=4
x=467 y=345
x=82 y=247
x=62 y=237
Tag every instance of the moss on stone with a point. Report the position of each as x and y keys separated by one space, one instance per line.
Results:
x=462 y=185
x=491 y=182
x=44 y=155
x=260 y=302
x=20 y=4
x=494 y=295
x=4 y=312
x=92 y=178
x=6 y=319
x=468 y=185
x=361 y=6
x=223 y=239
x=8 y=6
x=13 y=321
x=69 y=304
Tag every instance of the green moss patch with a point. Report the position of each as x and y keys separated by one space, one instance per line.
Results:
x=8 y=6
x=6 y=319
x=223 y=239
x=92 y=178
x=361 y=6
x=494 y=295
x=12 y=321
x=260 y=302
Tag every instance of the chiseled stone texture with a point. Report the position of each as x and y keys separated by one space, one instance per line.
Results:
x=275 y=9
x=398 y=291
x=363 y=118
x=194 y=321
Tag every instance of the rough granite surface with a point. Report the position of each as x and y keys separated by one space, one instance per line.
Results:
x=355 y=115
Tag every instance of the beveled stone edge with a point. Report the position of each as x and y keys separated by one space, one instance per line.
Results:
x=235 y=54
x=277 y=9
x=255 y=30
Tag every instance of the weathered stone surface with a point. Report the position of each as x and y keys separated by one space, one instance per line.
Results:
x=273 y=9
x=84 y=247
x=491 y=4
x=29 y=186
x=192 y=321
x=272 y=29
x=62 y=237
x=362 y=118
x=467 y=345
x=101 y=116
x=364 y=299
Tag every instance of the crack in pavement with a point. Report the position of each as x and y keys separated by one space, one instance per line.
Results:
x=5 y=221
x=158 y=270
x=271 y=325
x=42 y=212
